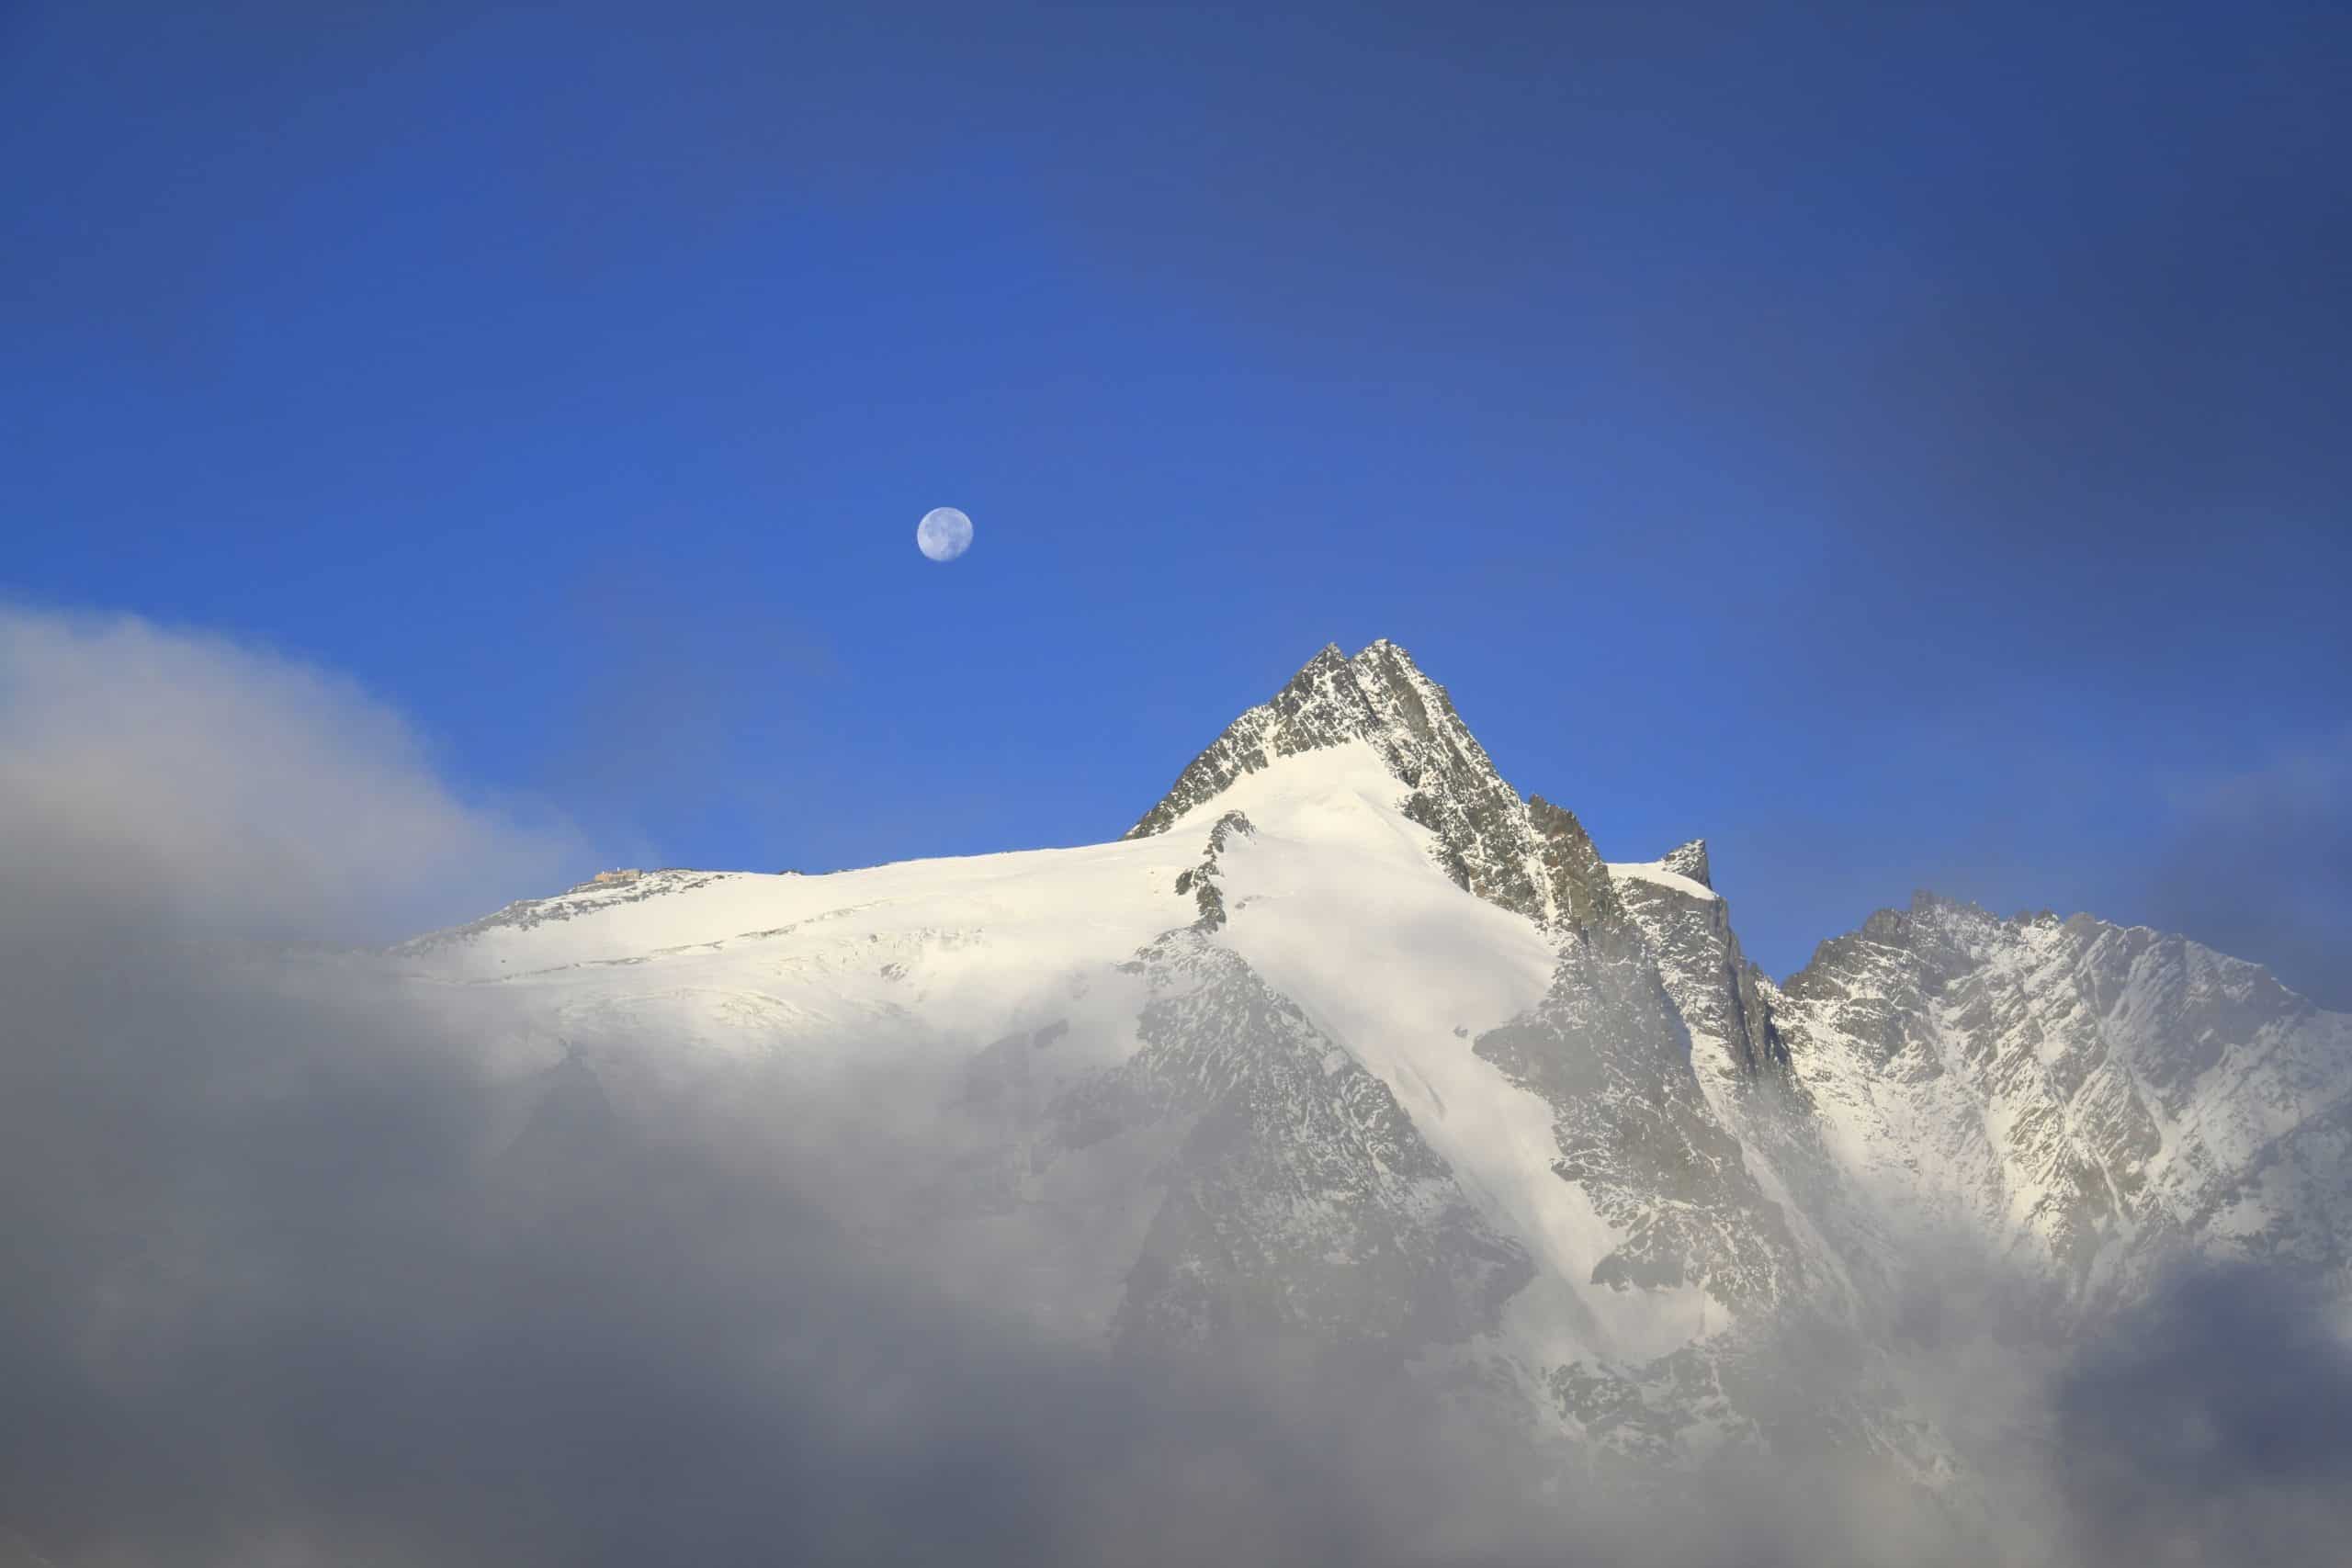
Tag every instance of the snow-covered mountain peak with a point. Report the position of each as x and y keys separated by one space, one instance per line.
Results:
x=1349 y=1041
x=1526 y=855
x=1380 y=695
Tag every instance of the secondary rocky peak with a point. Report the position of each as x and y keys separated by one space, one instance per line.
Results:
x=1690 y=860
x=1572 y=874
x=1527 y=856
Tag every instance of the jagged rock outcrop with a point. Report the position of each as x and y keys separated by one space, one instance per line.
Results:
x=1742 y=1065
x=1717 y=991
x=1199 y=881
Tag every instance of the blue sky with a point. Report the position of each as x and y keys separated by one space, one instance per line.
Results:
x=1903 y=444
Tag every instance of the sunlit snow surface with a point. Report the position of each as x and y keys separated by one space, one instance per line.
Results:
x=1334 y=900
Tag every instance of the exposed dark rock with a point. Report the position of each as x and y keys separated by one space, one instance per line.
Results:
x=1607 y=1050
x=1302 y=1202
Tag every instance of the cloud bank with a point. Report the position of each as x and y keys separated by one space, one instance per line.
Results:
x=233 y=791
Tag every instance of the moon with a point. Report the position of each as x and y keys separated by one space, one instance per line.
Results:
x=944 y=533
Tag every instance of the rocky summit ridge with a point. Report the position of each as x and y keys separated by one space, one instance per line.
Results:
x=1520 y=852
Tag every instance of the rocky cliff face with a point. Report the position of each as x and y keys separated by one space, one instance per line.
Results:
x=1607 y=1050
x=1302 y=1203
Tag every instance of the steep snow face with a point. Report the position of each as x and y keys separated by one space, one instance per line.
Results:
x=1415 y=974
x=2083 y=1096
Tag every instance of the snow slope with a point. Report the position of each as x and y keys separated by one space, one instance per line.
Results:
x=1335 y=899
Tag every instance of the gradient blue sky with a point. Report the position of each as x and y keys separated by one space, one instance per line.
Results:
x=1905 y=446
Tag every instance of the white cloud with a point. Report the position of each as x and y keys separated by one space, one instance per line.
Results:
x=221 y=784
